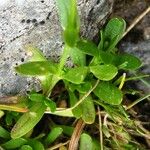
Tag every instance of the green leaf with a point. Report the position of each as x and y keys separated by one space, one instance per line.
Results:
x=36 y=97
x=38 y=68
x=28 y=120
x=101 y=43
x=53 y=135
x=69 y=20
x=85 y=142
x=4 y=133
x=48 y=82
x=113 y=32
x=14 y=143
x=26 y=147
x=68 y=130
x=35 y=53
x=70 y=37
x=88 y=110
x=49 y=103
x=68 y=13
x=96 y=144
x=106 y=57
x=76 y=75
x=127 y=62
x=35 y=144
x=104 y=72
x=77 y=57
x=77 y=112
x=108 y=93
x=88 y=47
x=83 y=88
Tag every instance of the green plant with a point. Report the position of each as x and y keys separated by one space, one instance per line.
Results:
x=96 y=81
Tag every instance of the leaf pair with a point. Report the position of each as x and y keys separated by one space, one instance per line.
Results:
x=112 y=34
x=45 y=68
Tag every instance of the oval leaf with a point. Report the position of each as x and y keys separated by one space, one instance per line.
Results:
x=104 y=72
x=38 y=68
x=77 y=112
x=127 y=61
x=76 y=75
x=14 y=143
x=4 y=133
x=85 y=142
x=28 y=120
x=115 y=27
x=106 y=57
x=35 y=144
x=26 y=147
x=108 y=93
x=53 y=135
x=113 y=32
x=88 y=47
x=88 y=110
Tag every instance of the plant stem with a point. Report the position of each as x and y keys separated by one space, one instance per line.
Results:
x=68 y=111
x=63 y=58
x=86 y=95
x=100 y=128
x=54 y=80
x=122 y=81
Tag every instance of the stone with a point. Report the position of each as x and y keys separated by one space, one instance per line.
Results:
x=36 y=22
x=137 y=41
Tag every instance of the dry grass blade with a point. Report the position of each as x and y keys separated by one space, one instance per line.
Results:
x=100 y=128
x=73 y=144
x=136 y=21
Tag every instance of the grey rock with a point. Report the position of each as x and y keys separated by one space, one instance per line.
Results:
x=142 y=51
x=36 y=22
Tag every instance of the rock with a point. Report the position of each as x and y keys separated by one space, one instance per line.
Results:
x=36 y=22
x=137 y=41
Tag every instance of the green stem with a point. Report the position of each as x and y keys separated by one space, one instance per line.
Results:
x=54 y=80
x=63 y=58
x=68 y=112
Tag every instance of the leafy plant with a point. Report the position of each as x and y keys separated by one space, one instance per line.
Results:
x=93 y=81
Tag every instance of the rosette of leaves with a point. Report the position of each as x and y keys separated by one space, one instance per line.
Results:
x=92 y=80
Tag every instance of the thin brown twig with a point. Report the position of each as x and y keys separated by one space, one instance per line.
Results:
x=73 y=144
x=100 y=128
x=137 y=20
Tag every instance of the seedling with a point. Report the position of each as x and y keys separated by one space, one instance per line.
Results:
x=95 y=81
